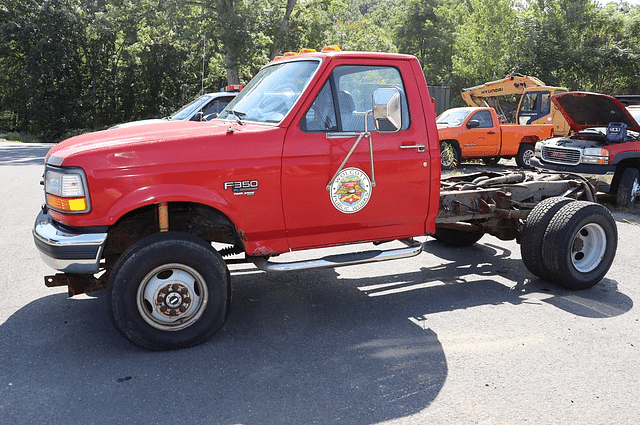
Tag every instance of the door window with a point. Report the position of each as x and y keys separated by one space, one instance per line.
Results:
x=529 y=102
x=216 y=106
x=484 y=118
x=545 y=106
x=321 y=116
x=345 y=99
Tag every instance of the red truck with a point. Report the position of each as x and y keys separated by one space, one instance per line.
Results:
x=320 y=149
x=476 y=132
x=604 y=146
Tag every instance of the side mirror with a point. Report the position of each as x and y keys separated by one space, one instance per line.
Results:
x=387 y=110
x=473 y=124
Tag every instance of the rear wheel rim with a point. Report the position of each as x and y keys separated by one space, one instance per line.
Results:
x=448 y=155
x=527 y=156
x=588 y=247
x=172 y=297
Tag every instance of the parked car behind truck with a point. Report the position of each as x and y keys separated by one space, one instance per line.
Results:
x=320 y=149
x=604 y=147
x=203 y=108
x=475 y=132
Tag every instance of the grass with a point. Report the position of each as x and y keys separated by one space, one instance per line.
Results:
x=23 y=137
x=626 y=210
x=19 y=137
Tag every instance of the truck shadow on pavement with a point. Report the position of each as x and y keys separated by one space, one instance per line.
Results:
x=317 y=346
x=487 y=278
x=301 y=349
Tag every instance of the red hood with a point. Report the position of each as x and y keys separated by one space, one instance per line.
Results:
x=135 y=137
x=586 y=110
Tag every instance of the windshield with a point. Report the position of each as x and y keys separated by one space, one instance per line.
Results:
x=270 y=95
x=186 y=111
x=453 y=117
x=635 y=112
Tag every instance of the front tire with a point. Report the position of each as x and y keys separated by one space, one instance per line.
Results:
x=168 y=291
x=579 y=244
x=628 y=188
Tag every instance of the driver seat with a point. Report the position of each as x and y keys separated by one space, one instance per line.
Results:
x=350 y=122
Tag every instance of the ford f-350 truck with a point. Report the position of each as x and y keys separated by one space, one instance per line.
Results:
x=320 y=149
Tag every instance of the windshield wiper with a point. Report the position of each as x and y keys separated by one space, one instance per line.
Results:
x=238 y=115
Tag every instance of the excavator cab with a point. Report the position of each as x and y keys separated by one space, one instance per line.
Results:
x=533 y=106
x=536 y=108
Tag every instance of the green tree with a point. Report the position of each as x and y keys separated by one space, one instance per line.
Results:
x=426 y=29
x=484 y=41
x=579 y=44
x=47 y=92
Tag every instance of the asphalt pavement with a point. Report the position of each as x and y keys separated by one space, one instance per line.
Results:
x=452 y=336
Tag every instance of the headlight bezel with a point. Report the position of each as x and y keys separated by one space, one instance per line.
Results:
x=537 y=151
x=66 y=190
x=598 y=156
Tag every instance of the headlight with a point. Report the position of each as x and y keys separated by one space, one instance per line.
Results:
x=595 y=156
x=65 y=190
x=538 y=149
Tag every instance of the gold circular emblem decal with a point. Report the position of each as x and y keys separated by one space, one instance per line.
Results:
x=351 y=190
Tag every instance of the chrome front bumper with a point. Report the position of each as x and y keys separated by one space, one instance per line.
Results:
x=65 y=250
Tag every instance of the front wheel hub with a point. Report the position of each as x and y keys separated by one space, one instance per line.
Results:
x=172 y=297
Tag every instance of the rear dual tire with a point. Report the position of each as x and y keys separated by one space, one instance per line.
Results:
x=534 y=231
x=578 y=243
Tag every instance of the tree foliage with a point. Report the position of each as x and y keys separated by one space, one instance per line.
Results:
x=86 y=64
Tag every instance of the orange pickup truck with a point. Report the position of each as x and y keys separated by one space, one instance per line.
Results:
x=472 y=132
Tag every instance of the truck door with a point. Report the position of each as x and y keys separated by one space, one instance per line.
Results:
x=358 y=204
x=482 y=136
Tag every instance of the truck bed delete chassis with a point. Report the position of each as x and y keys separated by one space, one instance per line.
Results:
x=496 y=203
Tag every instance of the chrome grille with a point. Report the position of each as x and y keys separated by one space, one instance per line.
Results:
x=569 y=156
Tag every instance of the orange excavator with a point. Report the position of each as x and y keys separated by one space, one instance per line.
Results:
x=534 y=107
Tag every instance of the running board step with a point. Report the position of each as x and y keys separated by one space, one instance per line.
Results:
x=340 y=260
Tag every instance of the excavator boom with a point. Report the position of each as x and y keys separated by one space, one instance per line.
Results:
x=514 y=84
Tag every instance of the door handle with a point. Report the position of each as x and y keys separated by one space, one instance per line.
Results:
x=491 y=132
x=420 y=148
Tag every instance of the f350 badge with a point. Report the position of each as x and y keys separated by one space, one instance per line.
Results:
x=246 y=187
x=350 y=190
